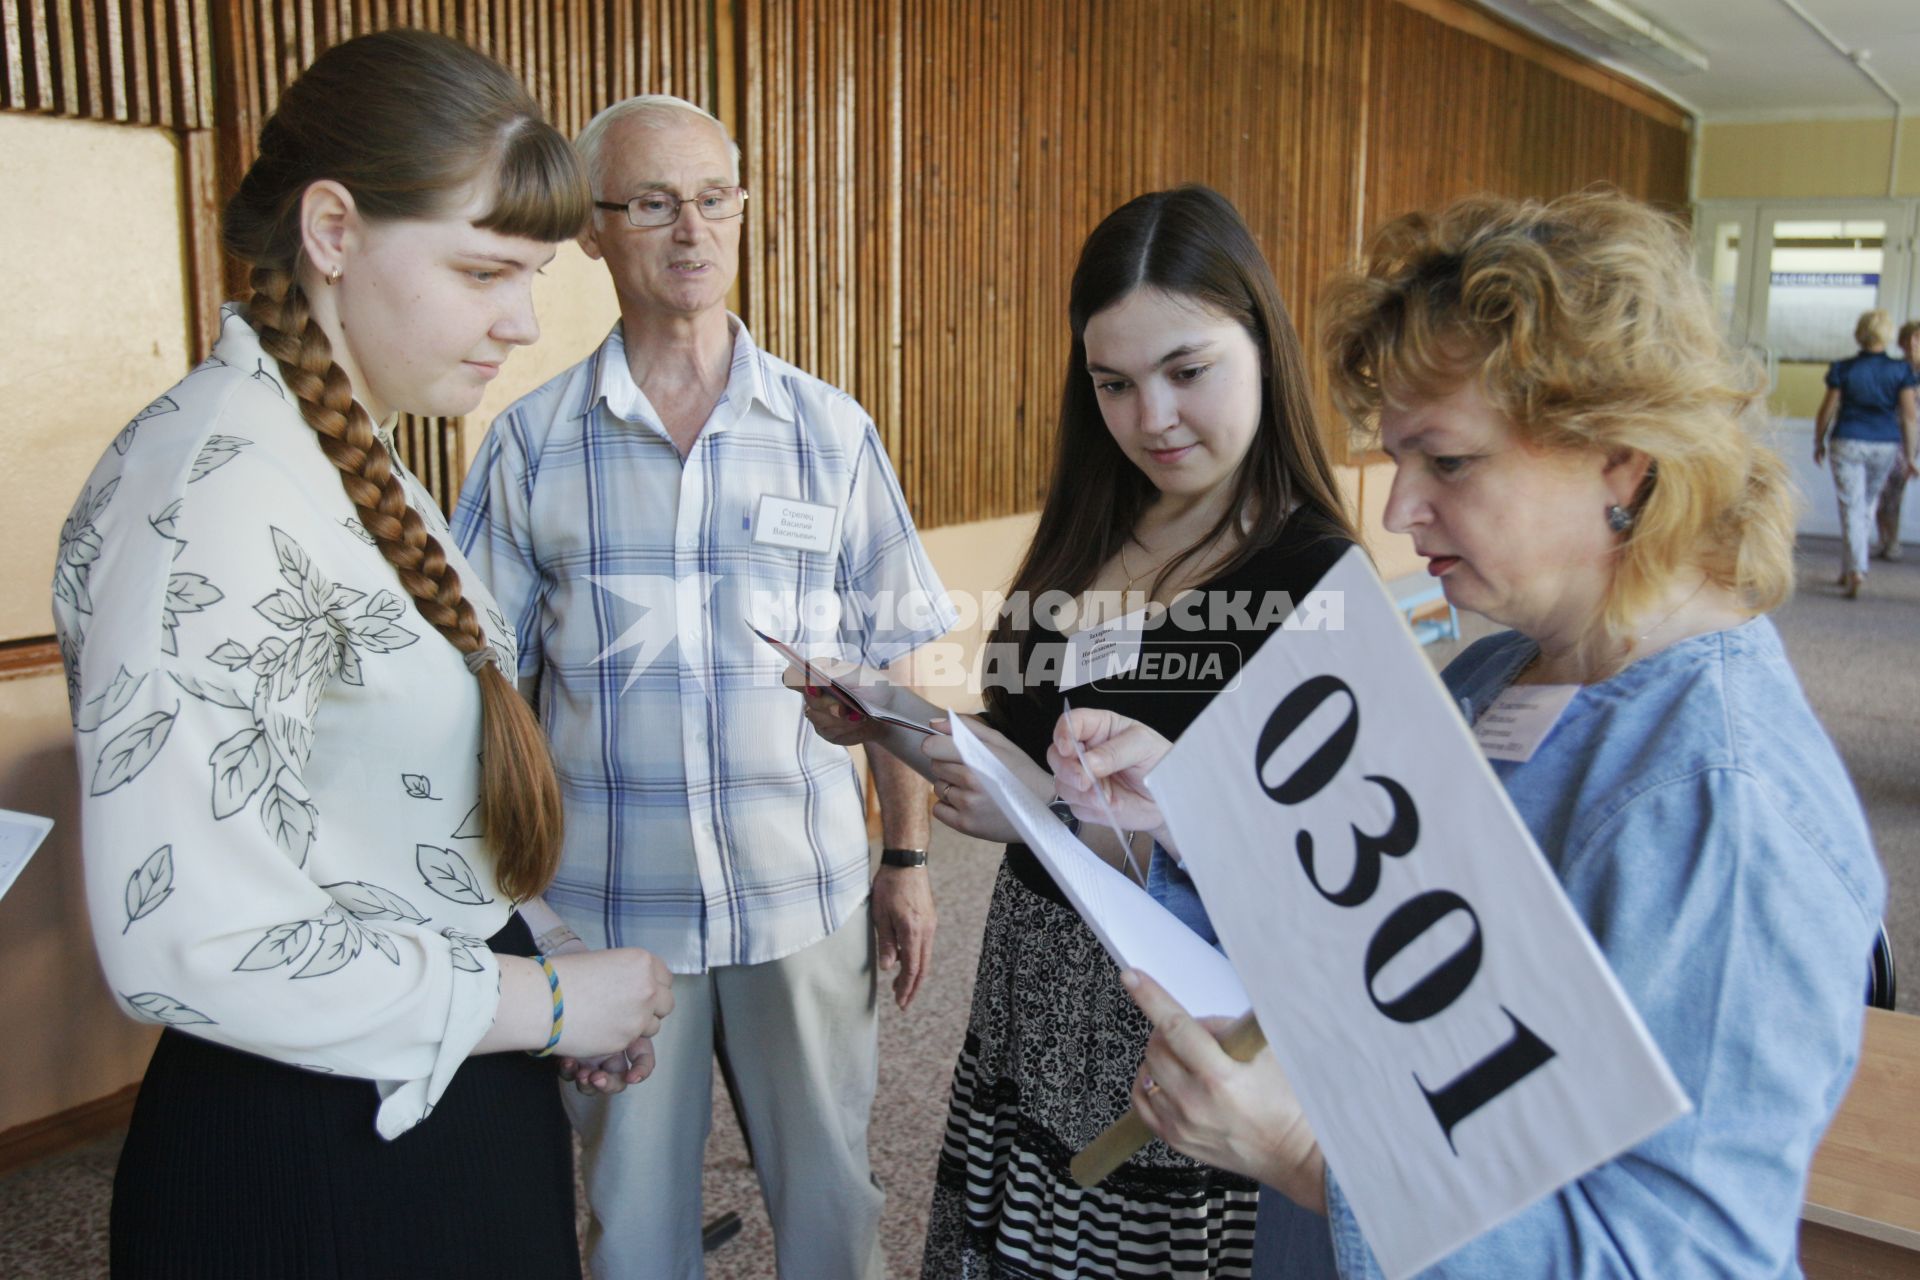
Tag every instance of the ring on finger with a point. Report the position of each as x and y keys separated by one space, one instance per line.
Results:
x=628 y=1057
x=944 y=788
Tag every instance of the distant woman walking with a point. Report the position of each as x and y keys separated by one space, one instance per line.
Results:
x=1896 y=488
x=1872 y=394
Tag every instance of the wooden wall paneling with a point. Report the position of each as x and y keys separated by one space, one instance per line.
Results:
x=205 y=271
x=140 y=106
x=41 y=10
x=95 y=106
x=804 y=190
x=164 y=105
x=131 y=61
x=68 y=64
x=923 y=173
x=13 y=59
x=1511 y=124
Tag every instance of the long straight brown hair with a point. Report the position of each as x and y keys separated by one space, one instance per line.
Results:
x=409 y=122
x=1189 y=242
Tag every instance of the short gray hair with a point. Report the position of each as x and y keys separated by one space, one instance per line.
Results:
x=656 y=110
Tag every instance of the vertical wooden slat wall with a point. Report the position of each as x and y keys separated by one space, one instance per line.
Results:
x=574 y=55
x=923 y=174
x=1453 y=115
x=975 y=146
x=133 y=61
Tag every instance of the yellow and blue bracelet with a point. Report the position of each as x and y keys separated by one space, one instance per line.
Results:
x=559 y=1006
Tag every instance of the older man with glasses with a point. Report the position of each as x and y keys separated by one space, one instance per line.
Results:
x=633 y=516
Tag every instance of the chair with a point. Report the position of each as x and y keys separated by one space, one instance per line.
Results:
x=1880 y=972
x=1417 y=593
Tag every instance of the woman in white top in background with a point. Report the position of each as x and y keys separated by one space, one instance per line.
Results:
x=311 y=800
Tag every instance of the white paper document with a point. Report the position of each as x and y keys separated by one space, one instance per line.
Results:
x=1137 y=932
x=20 y=835
x=1455 y=1037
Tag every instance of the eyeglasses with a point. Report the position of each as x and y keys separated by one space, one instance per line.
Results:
x=662 y=208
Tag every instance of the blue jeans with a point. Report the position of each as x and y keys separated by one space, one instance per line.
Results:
x=1169 y=885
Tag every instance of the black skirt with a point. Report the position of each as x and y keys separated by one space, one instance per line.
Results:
x=239 y=1167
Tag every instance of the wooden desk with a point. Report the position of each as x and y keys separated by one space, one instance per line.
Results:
x=1863 y=1199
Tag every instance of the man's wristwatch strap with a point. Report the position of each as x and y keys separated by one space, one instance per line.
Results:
x=903 y=857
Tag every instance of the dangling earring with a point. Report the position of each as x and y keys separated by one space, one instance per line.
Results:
x=1619 y=519
x=333 y=275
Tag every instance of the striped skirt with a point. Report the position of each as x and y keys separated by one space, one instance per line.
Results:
x=1050 y=1054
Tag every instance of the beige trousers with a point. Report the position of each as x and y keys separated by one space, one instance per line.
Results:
x=801 y=1037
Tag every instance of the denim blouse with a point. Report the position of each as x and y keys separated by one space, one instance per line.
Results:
x=1704 y=828
x=1169 y=885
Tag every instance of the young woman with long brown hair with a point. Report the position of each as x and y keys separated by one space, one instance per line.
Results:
x=1189 y=476
x=308 y=819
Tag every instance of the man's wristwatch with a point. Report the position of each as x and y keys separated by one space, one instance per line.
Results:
x=903 y=857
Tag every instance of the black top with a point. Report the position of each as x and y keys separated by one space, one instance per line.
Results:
x=1187 y=655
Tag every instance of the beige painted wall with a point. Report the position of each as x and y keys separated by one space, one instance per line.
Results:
x=67 y=1041
x=1393 y=554
x=94 y=329
x=1805 y=159
x=575 y=305
x=972 y=560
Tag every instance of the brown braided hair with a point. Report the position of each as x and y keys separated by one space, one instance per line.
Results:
x=410 y=122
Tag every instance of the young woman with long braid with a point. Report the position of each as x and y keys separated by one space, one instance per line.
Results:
x=307 y=820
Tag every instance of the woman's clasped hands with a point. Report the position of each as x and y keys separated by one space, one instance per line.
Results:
x=616 y=1001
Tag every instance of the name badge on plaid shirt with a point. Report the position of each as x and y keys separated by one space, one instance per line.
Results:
x=788 y=522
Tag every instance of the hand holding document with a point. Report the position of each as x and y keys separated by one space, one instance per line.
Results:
x=847 y=695
x=1105 y=805
x=1457 y=1043
x=1136 y=931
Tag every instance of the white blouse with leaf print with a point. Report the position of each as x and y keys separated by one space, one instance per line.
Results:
x=278 y=757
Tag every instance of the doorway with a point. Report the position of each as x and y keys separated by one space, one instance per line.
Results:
x=1790 y=280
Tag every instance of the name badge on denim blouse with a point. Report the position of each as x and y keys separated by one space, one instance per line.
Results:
x=1520 y=719
x=789 y=522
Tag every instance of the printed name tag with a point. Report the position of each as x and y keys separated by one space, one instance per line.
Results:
x=1520 y=720
x=788 y=522
x=1103 y=652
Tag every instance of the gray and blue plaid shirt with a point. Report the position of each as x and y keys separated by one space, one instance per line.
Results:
x=705 y=820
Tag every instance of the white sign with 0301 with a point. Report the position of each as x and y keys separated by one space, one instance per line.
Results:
x=1453 y=1033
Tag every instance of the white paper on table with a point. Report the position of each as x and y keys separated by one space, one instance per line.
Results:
x=1137 y=932
x=1359 y=1074
x=20 y=835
